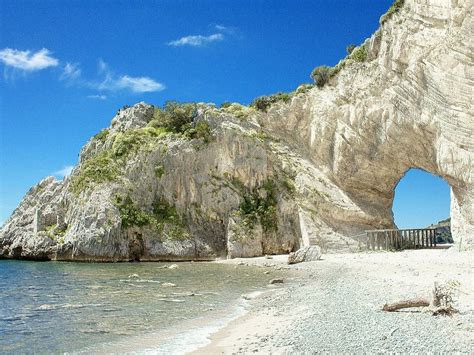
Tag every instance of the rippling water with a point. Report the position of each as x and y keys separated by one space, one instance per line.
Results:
x=73 y=307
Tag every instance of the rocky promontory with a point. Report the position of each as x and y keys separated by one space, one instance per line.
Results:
x=313 y=167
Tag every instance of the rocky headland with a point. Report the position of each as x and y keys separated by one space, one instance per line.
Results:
x=317 y=166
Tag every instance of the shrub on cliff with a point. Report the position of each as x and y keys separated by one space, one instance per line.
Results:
x=174 y=117
x=359 y=54
x=95 y=170
x=321 y=75
x=350 y=48
x=396 y=6
x=262 y=103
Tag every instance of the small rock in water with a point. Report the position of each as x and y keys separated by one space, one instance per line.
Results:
x=168 y=284
x=174 y=266
x=266 y=272
x=276 y=281
x=268 y=257
x=133 y=276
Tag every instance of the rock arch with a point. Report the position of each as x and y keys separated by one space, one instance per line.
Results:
x=408 y=106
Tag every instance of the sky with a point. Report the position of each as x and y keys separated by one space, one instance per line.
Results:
x=67 y=66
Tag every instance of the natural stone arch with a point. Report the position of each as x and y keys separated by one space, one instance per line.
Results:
x=409 y=106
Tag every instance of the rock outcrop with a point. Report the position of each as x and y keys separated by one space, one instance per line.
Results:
x=315 y=169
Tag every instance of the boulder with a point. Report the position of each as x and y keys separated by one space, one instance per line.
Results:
x=311 y=253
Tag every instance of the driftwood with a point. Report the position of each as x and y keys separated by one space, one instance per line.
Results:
x=442 y=300
x=414 y=302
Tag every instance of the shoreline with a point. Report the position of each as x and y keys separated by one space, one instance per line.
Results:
x=335 y=306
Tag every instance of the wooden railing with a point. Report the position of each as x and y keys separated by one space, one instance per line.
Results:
x=397 y=239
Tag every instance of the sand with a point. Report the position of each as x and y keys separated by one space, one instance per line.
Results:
x=334 y=305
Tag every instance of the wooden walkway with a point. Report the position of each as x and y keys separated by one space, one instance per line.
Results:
x=398 y=239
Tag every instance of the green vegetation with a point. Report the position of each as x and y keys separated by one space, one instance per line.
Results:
x=303 y=88
x=179 y=118
x=359 y=54
x=202 y=130
x=174 y=117
x=226 y=104
x=159 y=171
x=130 y=214
x=260 y=205
x=236 y=110
x=350 y=48
x=55 y=233
x=289 y=185
x=131 y=140
x=95 y=170
x=262 y=103
x=396 y=6
x=102 y=135
x=164 y=218
x=321 y=75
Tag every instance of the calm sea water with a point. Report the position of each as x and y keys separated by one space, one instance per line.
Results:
x=73 y=307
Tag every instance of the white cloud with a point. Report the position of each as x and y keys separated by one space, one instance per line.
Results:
x=26 y=60
x=197 y=40
x=71 y=72
x=97 y=97
x=66 y=171
x=112 y=82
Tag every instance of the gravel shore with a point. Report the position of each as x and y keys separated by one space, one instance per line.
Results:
x=334 y=305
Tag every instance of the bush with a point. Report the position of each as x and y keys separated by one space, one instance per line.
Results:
x=102 y=135
x=164 y=219
x=130 y=214
x=95 y=170
x=359 y=54
x=321 y=75
x=303 y=88
x=226 y=104
x=260 y=206
x=350 y=48
x=130 y=140
x=174 y=117
x=262 y=103
x=201 y=130
x=396 y=7
x=237 y=110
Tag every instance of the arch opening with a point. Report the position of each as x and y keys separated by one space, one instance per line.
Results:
x=422 y=200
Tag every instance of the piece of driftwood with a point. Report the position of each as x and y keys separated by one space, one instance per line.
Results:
x=441 y=303
x=409 y=303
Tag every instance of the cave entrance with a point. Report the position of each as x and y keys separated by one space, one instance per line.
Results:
x=422 y=200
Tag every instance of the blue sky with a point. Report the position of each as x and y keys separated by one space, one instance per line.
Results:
x=67 y=66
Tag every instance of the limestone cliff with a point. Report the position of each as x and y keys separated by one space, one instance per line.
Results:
x=318 y=166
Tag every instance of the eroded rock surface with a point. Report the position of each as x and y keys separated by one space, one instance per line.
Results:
x=316 y=170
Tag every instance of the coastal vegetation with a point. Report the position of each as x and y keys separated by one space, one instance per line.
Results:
x=163 y=218
x=396 y=7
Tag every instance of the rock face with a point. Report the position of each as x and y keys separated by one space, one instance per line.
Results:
x=317 y=169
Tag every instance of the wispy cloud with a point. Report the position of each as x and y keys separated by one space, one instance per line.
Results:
x=97 y=97
x=113 y=82
x=71 y=72
x=197 y=40
x=26 y=60
x=66 y=171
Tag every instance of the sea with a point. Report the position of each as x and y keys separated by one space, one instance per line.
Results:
x=156 y=308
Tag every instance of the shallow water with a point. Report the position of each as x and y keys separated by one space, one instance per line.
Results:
x=73 y=307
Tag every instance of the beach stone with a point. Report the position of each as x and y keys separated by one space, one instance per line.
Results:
x=311 y=253
x=276 y=281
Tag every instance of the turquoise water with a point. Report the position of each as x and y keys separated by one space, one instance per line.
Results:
x=72 y=307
